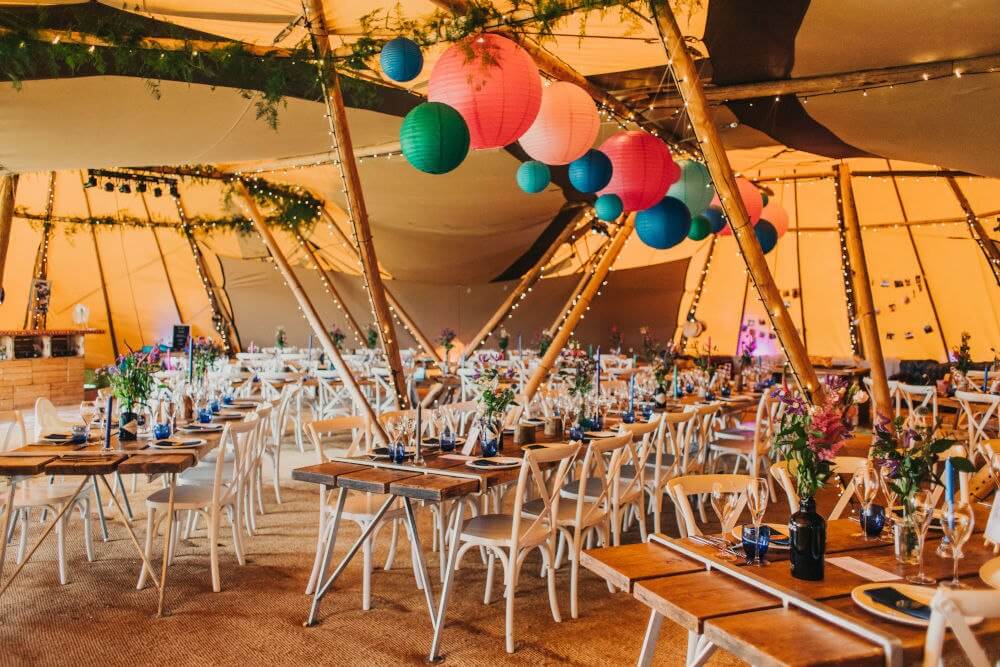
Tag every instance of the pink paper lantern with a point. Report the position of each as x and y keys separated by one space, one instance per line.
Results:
x=776 y=214
x=565 y=127
x=496 y=89
x=752 y=200
x=642 y=169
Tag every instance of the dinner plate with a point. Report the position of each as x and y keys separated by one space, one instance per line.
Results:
x=434 y=442
x=228 y=416
x=921 y=594
x=494 y=463
x=782 y=529
x=201 y=428
x=174 y=443
x=990 y=572
x=600 y=434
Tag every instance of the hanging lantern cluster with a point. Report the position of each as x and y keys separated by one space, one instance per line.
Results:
x=767 y=215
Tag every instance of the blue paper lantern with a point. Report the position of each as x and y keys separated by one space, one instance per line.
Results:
x=715 y=218
x=401 y=59
x=664 y=225
x=767 y=235
x=608 y=207
x=591 y=172
x=533 y=176
x=694 y=187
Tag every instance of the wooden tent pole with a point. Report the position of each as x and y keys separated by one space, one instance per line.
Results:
x=861 y=283
x=32 y=319
x=8 y=191
x=355 y=198
x=798 y=268
x=575 y=315
x=976 y=230
x=577 y=289
x=100 y=273
x=310 y=312
x=528 y=280
x=328 y=278
x=689 y=85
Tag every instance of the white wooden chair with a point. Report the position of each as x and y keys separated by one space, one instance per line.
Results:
x=842 y=465
x=979 y=410
x=279 y=419
x=893 y=394
x=751 y=451
x=650 y=455
x=676 y=434
x=688 y=485
x=949 y=609
x=919 y=400
x=510 y=537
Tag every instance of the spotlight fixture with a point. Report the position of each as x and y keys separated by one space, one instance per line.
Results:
x=141 y=187
x=157 y=191
x=124 y=188
x=91 y=182
x=109 y=187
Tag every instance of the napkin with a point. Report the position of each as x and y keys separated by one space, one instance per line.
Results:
x=892 y=598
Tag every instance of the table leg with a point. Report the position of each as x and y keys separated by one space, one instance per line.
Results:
x=703 y=650
x=456 y=521
x=8 y=522
x=418 y=551
x=649 y=641
x=59 y=515
x=121 y=487
x=100 y=512
x=168 y=536
x=331 y=538
x=365 y=534
x=131 y=533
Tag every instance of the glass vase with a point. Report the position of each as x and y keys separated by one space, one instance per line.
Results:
x=905 y=538
x=128 y=425
x=491 y=439
x=807 y=541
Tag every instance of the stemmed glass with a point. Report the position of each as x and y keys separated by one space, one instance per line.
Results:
x=757 y=497
x=726 y=505
x=866 y=483
x=886 y=484
x=958 y=525
x=923 y=513
x=88 y=411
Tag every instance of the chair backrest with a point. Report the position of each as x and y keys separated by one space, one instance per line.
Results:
x=240 y=438
x=356 y=426
x=979 y=410
x=768 y=418
x=685 y=485
x=678 y=429
x=894 y=393
x=842 y=465
x=703 y=430
x=47 y=419
x=531 y=468
x=603 y=461
x=648 y=439
x=949 y=609
x=12 y=432
x=918 y=399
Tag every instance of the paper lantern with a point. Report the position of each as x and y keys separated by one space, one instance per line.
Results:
x=716 y=219
x=565 y=127
x=495 y=87
x=533 y=176
x=608 y=207
x=694 y=187
x=764 y=198
x=664 y=225
x=434 y=138
x=700 y=228
x=591 y=172
x=776 y=214
x=767 y=235
x=401 y=59
x=751 y=200
x=642 y=169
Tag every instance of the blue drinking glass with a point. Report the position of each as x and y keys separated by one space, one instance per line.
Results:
x=161 y=431
x=489 y=448
x=397 y=452
x=214 y=407
x=872 y=521
x=576 y=432
x=447 y=441
x=80 y=434
x=205 y=416
x=227 y=399
x=756 y=542
x=628 y=417
x=689 y=388
x=726 y=392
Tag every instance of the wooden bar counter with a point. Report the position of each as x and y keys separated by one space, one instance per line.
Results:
x=41 y=363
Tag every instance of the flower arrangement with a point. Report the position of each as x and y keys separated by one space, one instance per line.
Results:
x=503 y=340
x=583 y=368
x=961 y=356
x=650 y=346
x=338 y=337
x=911 y=454
x=747 y=345
x=204 y=353
x=663 y=365
x=810 y=437
x=371 y=337
x=493 y=398
x=703 y=358
x=131 y=378
x=447 y=339
x=617 y=338
x=280 y=338
x=544 y=341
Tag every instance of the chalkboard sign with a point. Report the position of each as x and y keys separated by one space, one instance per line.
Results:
x=181 y=334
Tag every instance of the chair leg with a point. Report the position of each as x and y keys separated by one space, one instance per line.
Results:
x=235 y=521
x=511 y=581
x=393 y=542
x=656 y=499
x=150 y=530
x=366 y=577
x=213 y=548
x=61 y=549
x=275 y=464
x=640 y=509
x=488 y=592
x=22 y=544
x=548 y=555
x=88 y=541
x=574 y=575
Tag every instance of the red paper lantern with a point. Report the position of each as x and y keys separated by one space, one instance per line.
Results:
x=496 y=88
x=642 y=169
x=565 y=127
x=776 y=214
x=752 y=200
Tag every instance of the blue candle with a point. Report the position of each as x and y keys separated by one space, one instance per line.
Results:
x=986 y=377
x=631 y=393
x=190 y=352
x=519 y=356
x=310 y=355
x=949 y=486
x=108 y=406
x=597 y=370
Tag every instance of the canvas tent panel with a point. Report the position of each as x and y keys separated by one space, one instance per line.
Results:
x=18 y=272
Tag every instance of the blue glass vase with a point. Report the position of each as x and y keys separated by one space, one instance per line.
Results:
x=161 y=431
x=491 y=438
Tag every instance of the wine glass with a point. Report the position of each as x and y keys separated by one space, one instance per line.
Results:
x=888 y=490
x=923 y=514
x=88 y=411
x=726 y=505
x=866 y=485
x=958 y=524
x=757 y=497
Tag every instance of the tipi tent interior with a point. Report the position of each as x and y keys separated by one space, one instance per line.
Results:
x=161 y=161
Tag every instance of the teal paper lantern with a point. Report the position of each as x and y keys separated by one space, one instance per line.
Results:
x=434 y=138
x=700 y=228
x=694 y=187
x=591 y=172
x=608 y=207
x=664 y=225
x=767 y=235
x=716 y=219
x=764 y=198
x=401 y=59
x=533 y=176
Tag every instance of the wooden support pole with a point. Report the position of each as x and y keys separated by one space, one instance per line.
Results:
x=976 y=230
x=328 y=279
x=577 y=290
x=861 y=284
x=593 y=285
x=528 y=280
x=310 y=312
x=689 y=85
x=355 y=199
x=8 y=191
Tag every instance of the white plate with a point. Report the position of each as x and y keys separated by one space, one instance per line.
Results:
x=228 y=416
x=737 y=532
x=990 y=572
x=501 y=463
x=601 y=434
x=922 y=594
x=533 y=422
x=201 y=428
x=180 y=443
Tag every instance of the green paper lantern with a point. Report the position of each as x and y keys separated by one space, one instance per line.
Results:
x=608 y=207
x=764 y=198
x=700 y=228
x=533 y=176
x=694 y=187
x=434 y=138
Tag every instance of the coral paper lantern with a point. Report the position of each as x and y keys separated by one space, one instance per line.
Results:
x=565 y=127
x=767 y=235
x=752 y=200
x=533 y=176
x=401 y=59
x=642 y=171
x=776 y=214
x=694 y=187
x=434 y=138
x=608 y=207
x=591 y=172
x=496 y=88
x=664 y=225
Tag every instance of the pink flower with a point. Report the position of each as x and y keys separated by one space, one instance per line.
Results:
x=860 y=397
